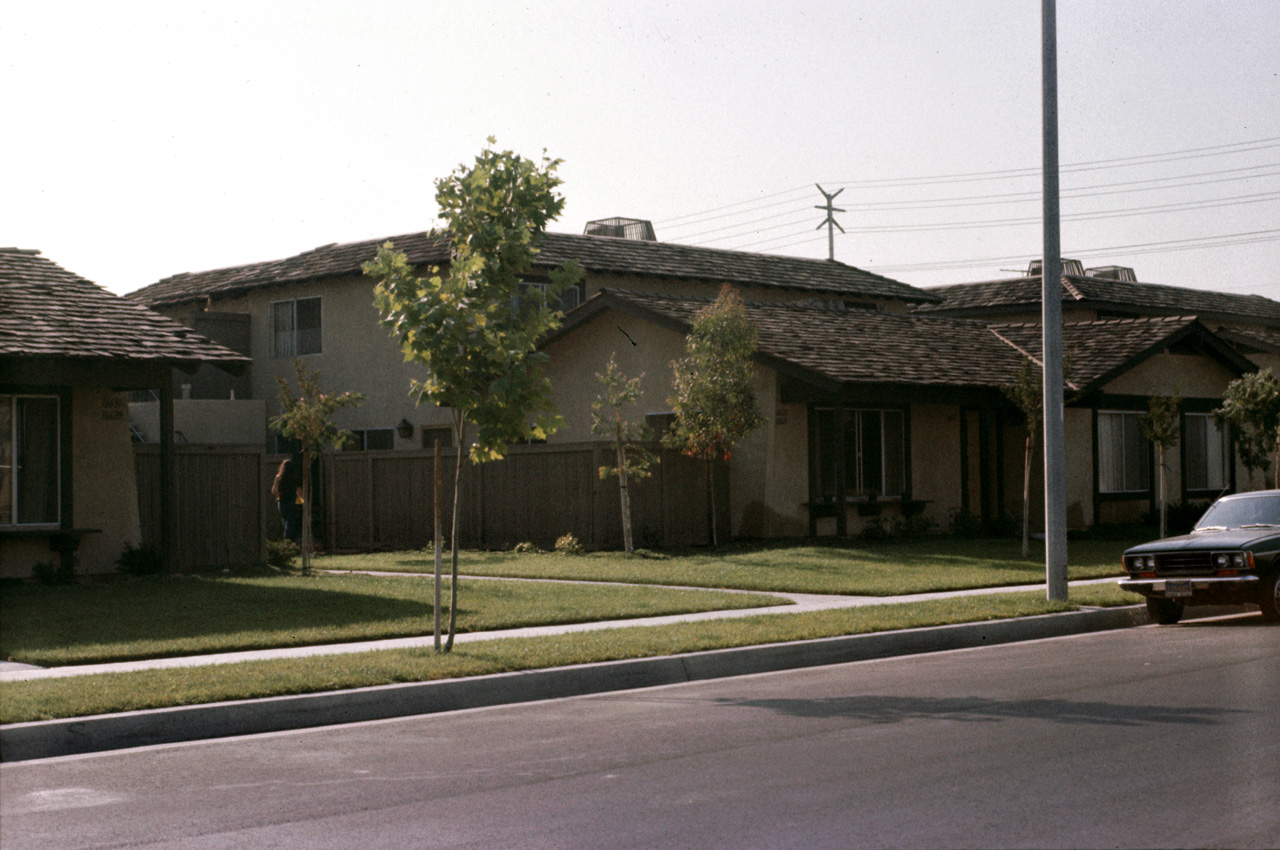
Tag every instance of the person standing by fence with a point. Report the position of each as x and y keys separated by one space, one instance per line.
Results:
x=287 y=488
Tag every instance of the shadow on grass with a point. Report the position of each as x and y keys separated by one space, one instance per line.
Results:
x=40 y=619
x=889 y=709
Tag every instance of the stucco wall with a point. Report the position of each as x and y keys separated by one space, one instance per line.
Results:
x=238 y=422
x=1188 y=375
x=104 y=488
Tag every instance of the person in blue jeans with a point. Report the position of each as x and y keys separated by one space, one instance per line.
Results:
x=287 y=488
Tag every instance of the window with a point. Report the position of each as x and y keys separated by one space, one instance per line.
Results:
x=30 y=472
x=370 y=440
x=295 y=328
x=1208 y=456
x=875 y=455
x=443 y=434
x=1124 y=453
x=569 y=299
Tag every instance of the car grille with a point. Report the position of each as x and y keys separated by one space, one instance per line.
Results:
x=1184 y=563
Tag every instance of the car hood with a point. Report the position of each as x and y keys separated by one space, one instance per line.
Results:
x=1232 y=538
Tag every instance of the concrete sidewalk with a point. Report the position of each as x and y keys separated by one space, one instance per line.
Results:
x=799 y=602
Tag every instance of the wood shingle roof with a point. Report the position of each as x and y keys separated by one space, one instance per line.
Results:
x=976 y=299
x=594 y=253
x=48 y=312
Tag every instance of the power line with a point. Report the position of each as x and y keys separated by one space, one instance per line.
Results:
x=1118 y=162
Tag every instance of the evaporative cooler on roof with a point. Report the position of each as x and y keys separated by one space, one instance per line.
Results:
x=636 y=229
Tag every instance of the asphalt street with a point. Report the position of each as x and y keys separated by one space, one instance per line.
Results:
x=1142 y=737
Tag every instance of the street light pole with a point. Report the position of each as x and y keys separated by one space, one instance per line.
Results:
x=1055 y=487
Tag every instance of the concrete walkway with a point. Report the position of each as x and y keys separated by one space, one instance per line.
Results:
x=799 y=602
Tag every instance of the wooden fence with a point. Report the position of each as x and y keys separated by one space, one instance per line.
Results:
x=383 y=500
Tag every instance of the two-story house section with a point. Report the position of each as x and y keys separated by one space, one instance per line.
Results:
x=318 y=306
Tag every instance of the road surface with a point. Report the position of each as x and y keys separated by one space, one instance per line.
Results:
x=1147 y=737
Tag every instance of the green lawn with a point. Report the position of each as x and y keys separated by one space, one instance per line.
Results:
x=115 y=692
x=880 y=569
x=160 y=617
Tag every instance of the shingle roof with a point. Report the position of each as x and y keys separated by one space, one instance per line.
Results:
x=869 y=347
x=1099 y=350
x=1152 y=298
x=46 y=311
x=855 y=346
x=593 y=253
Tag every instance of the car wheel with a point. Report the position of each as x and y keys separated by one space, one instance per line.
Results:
x=1269 y=601
x=1166 y=612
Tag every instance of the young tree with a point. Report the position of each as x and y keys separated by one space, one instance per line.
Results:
x=470 y=328
x=712 y=397
x=1160 y=424
x=632 y=459
x=1251 y=413
x=1027 y=394
x=308 y=418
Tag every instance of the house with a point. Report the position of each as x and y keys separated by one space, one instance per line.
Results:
x=875 y=415
x=882 y=402
x=69 y=352
x=319 y=306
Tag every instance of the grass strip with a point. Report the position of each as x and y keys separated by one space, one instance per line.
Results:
x=165 y=617
x=887 y=568
x=115 y=692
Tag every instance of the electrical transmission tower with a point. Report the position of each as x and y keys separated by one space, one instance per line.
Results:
x=831 y=222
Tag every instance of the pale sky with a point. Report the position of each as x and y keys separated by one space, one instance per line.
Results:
x=144 y=139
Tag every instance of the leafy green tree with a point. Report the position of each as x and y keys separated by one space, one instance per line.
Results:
x=1251 y=413
x=632 y=460
x=712 y=396
x=308 y=418
x=471 y=328
x=1160 y=424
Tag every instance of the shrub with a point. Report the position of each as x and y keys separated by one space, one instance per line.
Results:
x=567 y=544
x=527 y=548
x=874 y=531
x=282 y=553
x=48 y=574
x=965 y=524
x=140 y=560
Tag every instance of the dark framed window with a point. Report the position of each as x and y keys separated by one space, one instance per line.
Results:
x=370 y=440
x=30 y=460
x=1206 y=454
x=1124 y=453
x=875 y=452
x=295 y=327
x=533 y=292
x=443 y=433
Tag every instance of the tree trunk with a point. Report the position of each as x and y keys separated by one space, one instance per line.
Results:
x=306 y=510
x=1026 y=497
x=624 y=497
x=437 y=545
x=1164 y=501
x=460 y=432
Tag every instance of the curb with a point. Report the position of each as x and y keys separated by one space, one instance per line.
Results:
x=78 y=735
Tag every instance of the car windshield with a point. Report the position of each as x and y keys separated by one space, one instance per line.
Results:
x=1263 y=509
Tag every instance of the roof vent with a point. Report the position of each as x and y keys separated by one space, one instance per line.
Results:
x=1123 y=273
x=1072 y=267
x=636 y=229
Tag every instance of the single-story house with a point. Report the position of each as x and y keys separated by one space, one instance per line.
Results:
x=873 y=415
x=69 y=353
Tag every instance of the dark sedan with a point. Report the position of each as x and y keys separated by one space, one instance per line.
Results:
x=1229 y=558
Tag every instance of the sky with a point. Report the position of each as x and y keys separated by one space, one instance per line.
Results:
x=145 y=139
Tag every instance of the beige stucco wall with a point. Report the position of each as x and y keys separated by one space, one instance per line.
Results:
x=104 y=488
x=238 y=422
x=1188 y=375
x=935 y=459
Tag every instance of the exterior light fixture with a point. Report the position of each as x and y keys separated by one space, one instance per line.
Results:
x=405 y=429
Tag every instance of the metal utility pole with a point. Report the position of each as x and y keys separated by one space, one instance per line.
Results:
x=1055 y=485
x=831 y=220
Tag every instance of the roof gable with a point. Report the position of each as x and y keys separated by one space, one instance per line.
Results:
x=46 y=311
